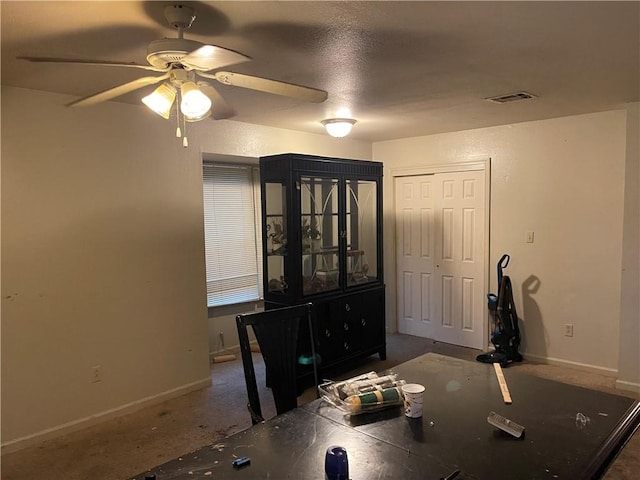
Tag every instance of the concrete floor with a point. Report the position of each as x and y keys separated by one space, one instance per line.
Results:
x=120 y=448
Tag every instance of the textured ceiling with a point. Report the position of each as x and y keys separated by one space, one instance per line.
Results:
x=400 y=68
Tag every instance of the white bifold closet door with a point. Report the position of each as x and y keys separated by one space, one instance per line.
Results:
x=440 y=253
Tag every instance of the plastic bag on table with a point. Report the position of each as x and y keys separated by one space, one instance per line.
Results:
x=368 y=392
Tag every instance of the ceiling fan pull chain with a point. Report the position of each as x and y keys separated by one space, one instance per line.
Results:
x=185 y=142
x=178 y=132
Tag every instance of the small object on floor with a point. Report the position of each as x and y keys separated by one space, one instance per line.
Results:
x=506 y=396
x=451 y=476
x=241 y=462
x=150 y=477
x=504 y=424
x=224 y=358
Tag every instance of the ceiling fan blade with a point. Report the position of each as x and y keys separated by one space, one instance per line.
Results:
x=221 y=109
x=93 y=62
x=210 y=57
x=292 y=90
x=117 y=91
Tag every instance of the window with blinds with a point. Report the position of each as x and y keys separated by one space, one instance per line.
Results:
x=232 y=233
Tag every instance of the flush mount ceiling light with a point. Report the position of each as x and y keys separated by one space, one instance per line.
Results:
x=338 y=127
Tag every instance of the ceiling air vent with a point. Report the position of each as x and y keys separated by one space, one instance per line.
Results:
x=511 y=97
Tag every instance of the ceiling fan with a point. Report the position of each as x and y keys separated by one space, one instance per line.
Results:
x=183 y=63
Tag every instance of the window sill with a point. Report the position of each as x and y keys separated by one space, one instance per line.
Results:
x=235 y=308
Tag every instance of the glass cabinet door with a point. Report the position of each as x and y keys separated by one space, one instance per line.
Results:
x=361 y=217
x=276 y=236
x=319 y=234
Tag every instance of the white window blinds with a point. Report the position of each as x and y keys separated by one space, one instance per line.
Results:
x=232 y=233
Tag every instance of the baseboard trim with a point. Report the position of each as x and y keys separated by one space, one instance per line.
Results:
x=629 y=386
x=234 y=350
x=74 y=426
x=585 y=367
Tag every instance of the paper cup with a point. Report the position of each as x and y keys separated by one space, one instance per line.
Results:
x=413 y=398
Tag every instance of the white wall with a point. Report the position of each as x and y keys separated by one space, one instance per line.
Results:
x=562 y=178
x=629 y=362
x=103 y=257
x=103 y=263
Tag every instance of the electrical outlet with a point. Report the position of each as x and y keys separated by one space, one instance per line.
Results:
x=529 y=237
x=568 y=329
x=96 y=372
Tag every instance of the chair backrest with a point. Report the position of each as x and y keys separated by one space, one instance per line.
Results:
x=276 y=331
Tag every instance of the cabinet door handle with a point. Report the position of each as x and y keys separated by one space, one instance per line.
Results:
x=347 y=307
x=346 y=346
x=346 y=326
x=327 y=333
x=363 y=321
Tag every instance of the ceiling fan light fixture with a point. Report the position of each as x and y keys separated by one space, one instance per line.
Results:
x=197 y=118
x=195 y=105
x=338 y=127
x=161 y=100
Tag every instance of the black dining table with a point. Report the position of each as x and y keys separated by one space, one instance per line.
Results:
x=570 y=433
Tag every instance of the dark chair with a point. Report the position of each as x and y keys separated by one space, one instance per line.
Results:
x=276 y=331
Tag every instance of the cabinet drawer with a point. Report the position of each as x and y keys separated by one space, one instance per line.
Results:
x=329 y=337
x=368 y=320
x=350 y=324
x=346 y=323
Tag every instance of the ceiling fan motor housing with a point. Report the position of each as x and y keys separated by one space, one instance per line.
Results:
x=163 y=52
x=179 y=76
x=179 y=16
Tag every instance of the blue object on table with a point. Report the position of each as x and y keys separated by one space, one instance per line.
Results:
x=241 y=462
x=336 y=463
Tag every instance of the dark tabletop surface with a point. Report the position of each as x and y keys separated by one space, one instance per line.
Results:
x=454 y=430
x=292 y=446
x=452 y=434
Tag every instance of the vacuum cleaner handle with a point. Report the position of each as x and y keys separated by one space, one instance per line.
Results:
x=502 y=263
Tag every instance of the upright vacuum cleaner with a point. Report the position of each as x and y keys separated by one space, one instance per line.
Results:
x=506 y=336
